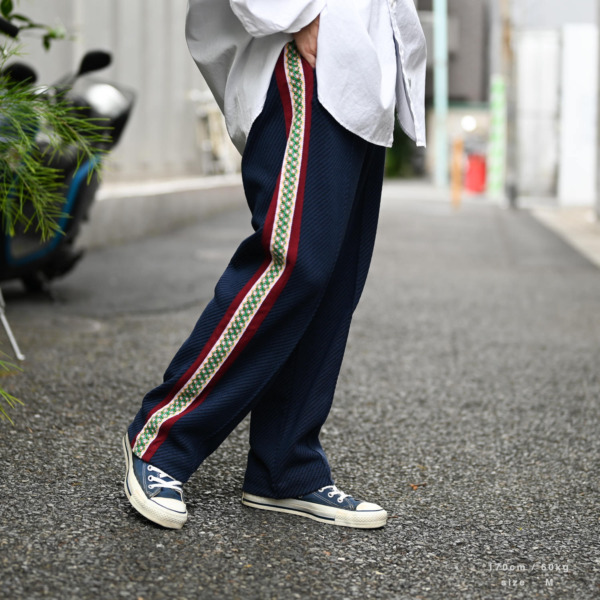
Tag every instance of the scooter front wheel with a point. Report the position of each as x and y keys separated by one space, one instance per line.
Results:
x=35 y=283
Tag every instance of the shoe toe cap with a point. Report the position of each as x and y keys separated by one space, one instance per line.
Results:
x=171 y=504
x=368 y=506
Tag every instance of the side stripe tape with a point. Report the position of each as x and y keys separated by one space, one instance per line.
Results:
x=258 y=294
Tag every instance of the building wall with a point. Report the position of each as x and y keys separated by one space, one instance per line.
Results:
x=579 y=103
x=537 y=114
x=598 y=126
x=468 y=58
x=554 y=110
x=552 y=14
x=150 y=55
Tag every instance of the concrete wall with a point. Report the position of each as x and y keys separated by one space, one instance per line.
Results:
x=556 y=60
x=552 y=14
x=468 y=58
x=579 y=103
x=598 y=125
x=147 y=40
x=537 y=111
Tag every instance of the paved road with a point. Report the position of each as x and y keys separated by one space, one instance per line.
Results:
x=468 y=406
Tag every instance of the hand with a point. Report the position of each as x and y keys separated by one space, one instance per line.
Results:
x=306 y=42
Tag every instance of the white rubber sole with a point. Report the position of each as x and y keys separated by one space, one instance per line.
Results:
x=148 y=507
x=359 y=519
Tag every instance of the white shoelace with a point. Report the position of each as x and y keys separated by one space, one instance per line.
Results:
x=161 y=480
x=334 y=492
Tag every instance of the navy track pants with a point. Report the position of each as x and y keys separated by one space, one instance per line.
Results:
x=272 y=339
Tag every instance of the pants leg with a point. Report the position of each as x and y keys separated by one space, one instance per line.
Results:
x=286 y=458
x=301 y=171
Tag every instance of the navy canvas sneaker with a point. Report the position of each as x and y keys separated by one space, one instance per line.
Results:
x=152 y=492
x=327 y=505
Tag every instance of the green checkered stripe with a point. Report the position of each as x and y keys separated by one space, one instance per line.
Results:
x=258 y=293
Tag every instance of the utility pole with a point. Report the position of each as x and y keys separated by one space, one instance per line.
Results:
x=440 y=44
x=508 y=65
x=501 y=181
x=496 y=157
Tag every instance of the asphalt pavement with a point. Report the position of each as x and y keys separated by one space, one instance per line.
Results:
x=468 y=406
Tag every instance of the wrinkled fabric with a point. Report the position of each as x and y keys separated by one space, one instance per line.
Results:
x=371 y=60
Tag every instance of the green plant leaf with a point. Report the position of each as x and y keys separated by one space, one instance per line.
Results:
x=7 y=401
x=24 y=18
x=35 y=130
x=6 y=7
x=31 y=188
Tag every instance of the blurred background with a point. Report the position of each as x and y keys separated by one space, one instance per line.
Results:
x=512 y=95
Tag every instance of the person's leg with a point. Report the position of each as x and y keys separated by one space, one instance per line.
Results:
x=301 y=172
x=286 y=459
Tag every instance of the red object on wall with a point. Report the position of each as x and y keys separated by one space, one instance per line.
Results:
x=475 y=173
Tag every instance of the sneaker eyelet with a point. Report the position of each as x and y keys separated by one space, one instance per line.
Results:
x=339 y=500
x=330 y=495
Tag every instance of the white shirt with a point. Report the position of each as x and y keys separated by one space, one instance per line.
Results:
x=371 y=57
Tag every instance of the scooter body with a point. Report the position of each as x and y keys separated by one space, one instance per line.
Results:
x=24 y=255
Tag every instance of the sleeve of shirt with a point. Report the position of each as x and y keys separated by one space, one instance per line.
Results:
x=265 y=17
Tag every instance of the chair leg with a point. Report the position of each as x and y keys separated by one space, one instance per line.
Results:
x=9 y=333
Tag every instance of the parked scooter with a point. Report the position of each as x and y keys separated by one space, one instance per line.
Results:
x=24 y=256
